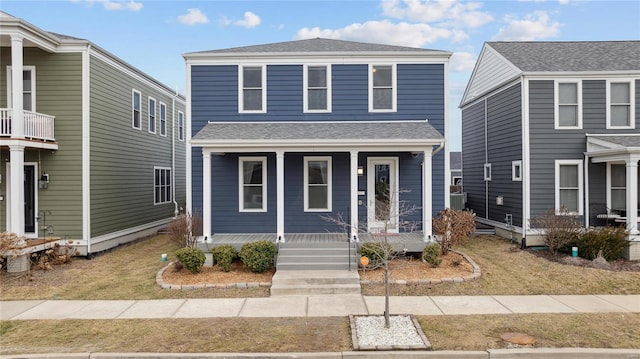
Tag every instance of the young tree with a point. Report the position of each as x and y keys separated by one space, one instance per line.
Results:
x=560 y=228
x=454 y=227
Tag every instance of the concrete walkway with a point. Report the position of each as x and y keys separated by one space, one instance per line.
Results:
x=315 y=306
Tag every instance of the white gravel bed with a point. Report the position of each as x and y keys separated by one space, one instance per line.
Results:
x=370 y=331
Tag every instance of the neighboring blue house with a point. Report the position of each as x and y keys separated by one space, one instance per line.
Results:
x=551 y=125
x=283 y=134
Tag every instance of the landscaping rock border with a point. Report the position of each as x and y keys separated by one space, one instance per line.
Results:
x=160 y=281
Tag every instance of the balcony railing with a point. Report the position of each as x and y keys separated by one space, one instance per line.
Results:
x=36 y=125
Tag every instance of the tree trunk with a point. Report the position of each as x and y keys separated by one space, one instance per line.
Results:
x=387 y=321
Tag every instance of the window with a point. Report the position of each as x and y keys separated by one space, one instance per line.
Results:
x=317 y=93
x=516 y=171
x=487 y=171
x=382 y=88
x=569 y=187
x=618 y=187
x=252 y=95
x=180 y=126
x=163 y=119
x=135 y=109
x=162 y=185
x=568 y=105
x=253 y=184
x=620 y=105
x=152 y=115
x=28 y=88
x=317 y=184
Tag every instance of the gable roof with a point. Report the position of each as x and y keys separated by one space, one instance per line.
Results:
x=502 y=62
x=318 y=46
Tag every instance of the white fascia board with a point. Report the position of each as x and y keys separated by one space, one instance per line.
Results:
x=42 y=39
x=310 y=147
x=315 y=58
x=590 y=75
x=495 y=90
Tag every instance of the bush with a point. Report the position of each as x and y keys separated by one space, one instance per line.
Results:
x=560 y=230
x=224 y=256
x=191 y=258
x=431 y=254
x=185 y=229
x=258 y=256
x=610 y=240
x=377 y=252
x=454 y=227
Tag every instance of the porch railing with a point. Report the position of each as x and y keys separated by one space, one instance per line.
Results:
x=36 y=125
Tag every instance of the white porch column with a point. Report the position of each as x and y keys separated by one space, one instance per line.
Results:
x=427 y=198
x=632 y=196
x=17 y=116
x=280 y=196
x=354 y=195
x=206 y=194
x=16 y=188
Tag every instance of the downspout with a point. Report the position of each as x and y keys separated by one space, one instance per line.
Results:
x=86 y=148
x=440 y=147
x=173 y=154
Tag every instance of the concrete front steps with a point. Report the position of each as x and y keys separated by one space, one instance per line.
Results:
x=316 y=268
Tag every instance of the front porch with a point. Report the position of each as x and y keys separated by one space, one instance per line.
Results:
x=37 y=126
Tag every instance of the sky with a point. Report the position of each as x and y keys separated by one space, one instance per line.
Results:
x=152 y=35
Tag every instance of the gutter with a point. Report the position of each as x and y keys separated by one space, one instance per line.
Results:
x=173 y=155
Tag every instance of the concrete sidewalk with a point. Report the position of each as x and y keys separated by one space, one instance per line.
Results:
x=314 y=306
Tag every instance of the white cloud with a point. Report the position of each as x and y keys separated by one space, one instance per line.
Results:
x=193 y=17
x=113 y=4
x=462 y=14
x=462 y=61
x=532 y=27
x=384 y=32
x=249 y=21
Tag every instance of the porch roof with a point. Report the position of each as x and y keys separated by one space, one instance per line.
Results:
x=604 y=148
x=347 y=133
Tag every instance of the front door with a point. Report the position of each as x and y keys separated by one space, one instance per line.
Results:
x=382 y=194
x=29 y=199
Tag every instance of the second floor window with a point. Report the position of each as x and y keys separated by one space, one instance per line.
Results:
x=163 y=119
x=252 y=96
x=382 y=89
x=619 y=110
x=317 y=95
x=152 y=115
x=180 y=126
x=568 y=105
x=135 y=109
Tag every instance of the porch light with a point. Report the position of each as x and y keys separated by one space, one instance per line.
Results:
x=360 y=170
x=44 y=181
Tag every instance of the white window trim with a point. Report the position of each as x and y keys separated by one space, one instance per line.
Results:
x=556 y=104
x=609 y=183
x=155 y=116
x=33 y=86
x=487 y=172
x=305 y=94
x=516 y=175
x=329 y=183
x=632 y=105
x=167 y=200
x=394 y=83
x=241 y=89
x=241 y=161
x=162 y=122
x=180 y=126
x=133 y=92
x=580 y=185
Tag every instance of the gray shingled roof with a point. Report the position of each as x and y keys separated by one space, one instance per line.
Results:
x=318 y=131
x=622 y=140
x=316 y=45
x=571 y=56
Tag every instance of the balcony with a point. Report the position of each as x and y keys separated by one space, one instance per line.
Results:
x=37 y=126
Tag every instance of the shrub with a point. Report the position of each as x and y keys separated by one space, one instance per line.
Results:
x=185 y=229
x=191 y=258
x=377 y=252
x=258 y=256
x=431 y=254
x=610 y=240
x=224 y=256
x=454 y=227
x=560 y=229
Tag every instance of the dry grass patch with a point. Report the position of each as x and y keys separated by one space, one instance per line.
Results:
x=331 y=334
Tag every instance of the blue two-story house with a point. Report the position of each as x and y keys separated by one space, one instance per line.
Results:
x=284 y=134
x=553 y=126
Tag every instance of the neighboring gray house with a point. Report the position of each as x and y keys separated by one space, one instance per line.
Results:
x=91 y=147
x=455 y=161
x=551 y=125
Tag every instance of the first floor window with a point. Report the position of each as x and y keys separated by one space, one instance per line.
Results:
x=162 y=187
x=569 y=186
x=618 y=180
x=163 y=119
x=317 y=184
x=253 y=184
